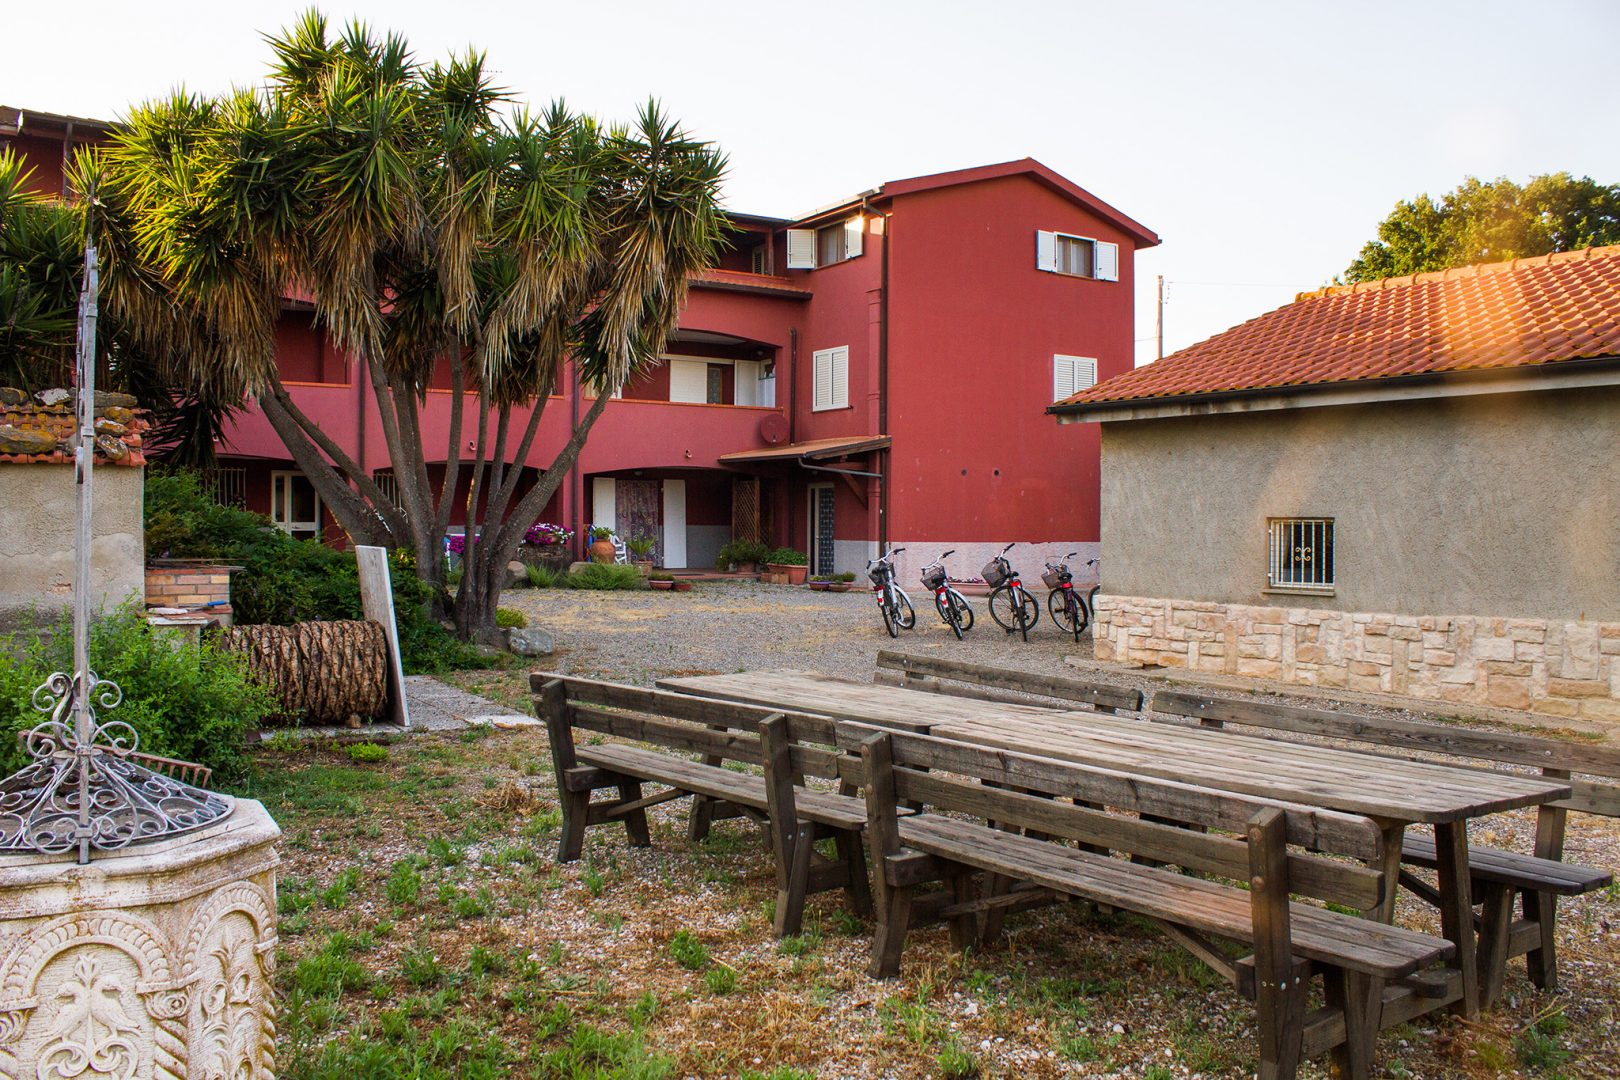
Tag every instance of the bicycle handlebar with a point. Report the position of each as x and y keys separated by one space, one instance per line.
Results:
x=947 y=555
x=1009 y=547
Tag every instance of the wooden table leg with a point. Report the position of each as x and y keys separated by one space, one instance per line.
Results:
x=1390 y=865
x=1542 y=907
x=1457 y=909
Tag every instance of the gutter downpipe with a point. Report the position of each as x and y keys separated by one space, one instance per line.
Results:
x=883 y=380
x=576 y=493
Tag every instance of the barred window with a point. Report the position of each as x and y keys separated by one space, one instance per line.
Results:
x=1301 y=555
x=228 y=484
x=387 y=483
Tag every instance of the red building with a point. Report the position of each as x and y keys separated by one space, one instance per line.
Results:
x=873 y=373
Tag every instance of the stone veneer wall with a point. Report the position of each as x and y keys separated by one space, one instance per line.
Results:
x=1560 y=667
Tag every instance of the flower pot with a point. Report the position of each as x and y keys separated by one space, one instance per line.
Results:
x=602 y=551
x=643 y=565
x=746 y=567
x=821 y=586
x=971 y=588
x=665 y=585
x=838 y=586
x=682 y=586
x=795 y=574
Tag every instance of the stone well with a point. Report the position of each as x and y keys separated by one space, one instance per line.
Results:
x=154 y=961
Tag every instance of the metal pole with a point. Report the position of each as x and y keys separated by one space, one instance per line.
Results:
x=84 y=463
x=1159 y=326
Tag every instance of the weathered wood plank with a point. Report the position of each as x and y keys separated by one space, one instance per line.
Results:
x=1052 y=686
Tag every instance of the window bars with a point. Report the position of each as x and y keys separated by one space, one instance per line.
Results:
x=1301 y=554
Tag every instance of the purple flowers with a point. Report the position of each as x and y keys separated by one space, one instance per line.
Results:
x=545 y=534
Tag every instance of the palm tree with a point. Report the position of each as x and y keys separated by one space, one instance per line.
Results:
x=39 y=257
x=427 y=229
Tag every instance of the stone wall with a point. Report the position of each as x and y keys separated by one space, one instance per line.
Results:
x=1567 y=668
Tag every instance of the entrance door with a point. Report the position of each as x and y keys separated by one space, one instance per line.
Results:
x=821 y=529
x=673 y=539
x=295 y=508
x=638 y=513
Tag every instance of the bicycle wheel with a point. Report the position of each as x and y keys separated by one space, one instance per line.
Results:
x=905 y=616
x=963 y=609
x=947 y=613
x=1014 y=612
x=886 y=607
x=1067 y=611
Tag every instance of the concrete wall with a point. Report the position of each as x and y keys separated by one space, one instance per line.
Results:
x=1504 y=505
x=36 y=538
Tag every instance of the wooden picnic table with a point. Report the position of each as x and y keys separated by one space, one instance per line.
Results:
x=1395 y=792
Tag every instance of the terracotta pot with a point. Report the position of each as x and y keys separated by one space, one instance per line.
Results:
x=666 y=585
x=602 y=551
x=746 y=567
x=682 y=586
x=795 y=574
x=644 y=565
x=971 y=588
x=821 y=586
x=838 y=586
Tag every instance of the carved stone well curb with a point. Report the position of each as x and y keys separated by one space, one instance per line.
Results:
x=150 y=962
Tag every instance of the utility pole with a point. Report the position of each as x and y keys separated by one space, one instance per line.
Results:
x=1159 y=327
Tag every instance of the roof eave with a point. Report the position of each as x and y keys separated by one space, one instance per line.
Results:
x=1553 y=375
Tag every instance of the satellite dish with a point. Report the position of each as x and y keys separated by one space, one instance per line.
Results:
x=773 y=429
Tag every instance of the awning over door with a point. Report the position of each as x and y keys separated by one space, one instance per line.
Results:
x=811 y=450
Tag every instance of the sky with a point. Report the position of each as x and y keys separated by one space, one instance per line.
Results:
x=1262 y=141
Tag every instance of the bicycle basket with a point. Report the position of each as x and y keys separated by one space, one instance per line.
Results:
x=995 y=572
x=934 y=579
x=1054 y=578
x=879 y=574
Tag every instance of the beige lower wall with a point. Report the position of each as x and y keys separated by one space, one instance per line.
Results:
x=37 y=535
x=1561 y=667
x=1491 y=505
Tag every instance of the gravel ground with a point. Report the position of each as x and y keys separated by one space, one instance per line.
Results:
x=640 y=637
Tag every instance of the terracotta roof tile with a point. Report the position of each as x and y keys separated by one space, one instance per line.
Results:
x=1522 y=313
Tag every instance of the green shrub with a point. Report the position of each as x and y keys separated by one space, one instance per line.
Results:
x=184 y=701
x=283 y=580
x=510 y=618
x=541 y=577
x=660 y=575
x=688 y=951
x=368 y=752
x=785 y=556
x=605 y=576
x=740 y=551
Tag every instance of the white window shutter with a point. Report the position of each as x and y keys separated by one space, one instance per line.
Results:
x=854 y=230
x=1062 y=377
x=1107 y=261
x=1072 y=374
x=840 y=377
x=822 y=394
x=1046 y=251
x=801 y=249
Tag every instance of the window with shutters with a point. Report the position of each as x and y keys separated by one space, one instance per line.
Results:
x=759 y=260
x=808 y=249
x=1072 y=374
x=831 y=371
x=1300 y=554
x=1076 y=256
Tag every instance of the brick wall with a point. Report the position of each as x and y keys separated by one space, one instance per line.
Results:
x=191 y=587
x=1559 y=667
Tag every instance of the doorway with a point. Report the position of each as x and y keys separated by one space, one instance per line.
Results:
x=637 y=513
x=821 y=529
x=295 y=508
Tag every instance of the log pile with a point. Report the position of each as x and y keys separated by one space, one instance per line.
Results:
x=321 y=672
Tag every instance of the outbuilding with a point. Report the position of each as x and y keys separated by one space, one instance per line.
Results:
x=1409 y=486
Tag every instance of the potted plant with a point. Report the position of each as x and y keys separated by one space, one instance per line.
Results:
x=832 y=582
x=795 y=564
x=545 y=544
x=743 y=556
x=601 y=549
x=971 y=586
x=659 y=579
x=640 y=549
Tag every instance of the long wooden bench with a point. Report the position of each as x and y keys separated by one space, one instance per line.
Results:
x=1497 y=876
x=941 y=676
x=1374 y=975
x=718 y=732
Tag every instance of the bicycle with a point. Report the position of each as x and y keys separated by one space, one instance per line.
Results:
x=898 y=614
x=952 y=606
x=1070 y=610
x=1010 y=603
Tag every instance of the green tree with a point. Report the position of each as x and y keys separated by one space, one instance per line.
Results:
x=40 y=254
x=1490 y=221
x=437 y=234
